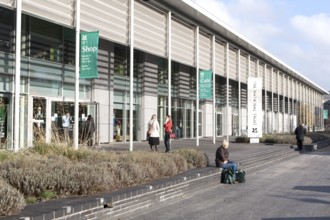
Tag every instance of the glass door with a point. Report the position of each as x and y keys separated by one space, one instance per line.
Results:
x=219 y=124
x=39 y=119
x=234 y=124
x=4 y=108
x=60 y=108
x=200 y=123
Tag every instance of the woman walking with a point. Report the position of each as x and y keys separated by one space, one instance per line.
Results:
x=168 y=131
x=153 y=132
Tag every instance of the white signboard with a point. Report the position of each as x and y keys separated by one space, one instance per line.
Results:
x=254 y=107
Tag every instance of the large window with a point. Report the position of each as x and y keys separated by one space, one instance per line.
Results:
x=121 y=59
x=45 y=40
x=6 y=30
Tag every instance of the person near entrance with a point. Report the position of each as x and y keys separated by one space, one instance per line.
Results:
x=153 y=132
x=90 y=129
x=300 y=133
x=168 y=131
x=66 y=119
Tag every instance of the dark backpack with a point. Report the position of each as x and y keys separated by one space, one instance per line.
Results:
x=227 y=176
x=240 y=176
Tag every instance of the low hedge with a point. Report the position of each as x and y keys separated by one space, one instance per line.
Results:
x=276 y=139
x=50 y=171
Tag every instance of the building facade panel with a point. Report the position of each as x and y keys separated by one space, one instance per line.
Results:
x=205 y=52
x=183 y=43
x=243 y=68
x=233 y=73
x=8 y=3
x=268 y=79
x=110 y=18
x=150 y=30
x=220 y=58
x=57 y=11
x=253 y=67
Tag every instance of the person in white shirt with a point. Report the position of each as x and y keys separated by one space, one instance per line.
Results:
x=153 y=132
x=66 y=126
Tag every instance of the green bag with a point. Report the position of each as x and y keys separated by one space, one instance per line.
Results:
x=240 y=176
x=227 y=176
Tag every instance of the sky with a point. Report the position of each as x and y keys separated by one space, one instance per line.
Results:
x=296 y=32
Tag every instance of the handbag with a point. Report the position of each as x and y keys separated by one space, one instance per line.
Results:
x=172 y=135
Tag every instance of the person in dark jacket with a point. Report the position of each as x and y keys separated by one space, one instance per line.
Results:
x=90 y=128
x=222 y=157
x=300 y=133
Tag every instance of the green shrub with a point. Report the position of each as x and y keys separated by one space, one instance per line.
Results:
x=47 y=194
x=5 y=155
x=11 y=200
x=242 y=140
x=30 y=200
x=283 y=139
x=193 y=157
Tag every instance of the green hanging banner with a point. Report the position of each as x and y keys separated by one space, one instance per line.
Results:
x=205 y=84
x=325 y=114
x=89 y=47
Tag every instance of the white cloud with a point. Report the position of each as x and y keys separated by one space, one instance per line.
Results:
x=313 y=27
x=218 y=9
x=247 y=17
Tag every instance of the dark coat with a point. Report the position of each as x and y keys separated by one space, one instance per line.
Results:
x=221 y=155
x=300 y=133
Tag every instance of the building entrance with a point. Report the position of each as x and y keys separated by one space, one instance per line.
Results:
x=4 y=107
x=47 y=115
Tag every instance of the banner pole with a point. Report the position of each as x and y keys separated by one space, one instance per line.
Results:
x=76 y=100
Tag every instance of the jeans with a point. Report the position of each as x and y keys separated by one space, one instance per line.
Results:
x=167 y=141
x=230 y=164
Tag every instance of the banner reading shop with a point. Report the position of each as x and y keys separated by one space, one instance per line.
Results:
x=89 y=44
x=254 y=107
x=205 y=84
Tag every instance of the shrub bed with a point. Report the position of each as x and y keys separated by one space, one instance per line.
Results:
x=50 y=171
x=11 y=200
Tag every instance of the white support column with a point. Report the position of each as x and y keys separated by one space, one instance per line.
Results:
x=249 y=74
x=278 y=101
x=272 y=106
x=17 y=73
x=131 y=75
x=169 y=59
x=76 y=99
x=213 y=89
x=227 y=91
x=197 y=84
x=265 y=101
x=239 y=91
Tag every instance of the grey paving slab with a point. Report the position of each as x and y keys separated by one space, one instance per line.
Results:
x=298 y=188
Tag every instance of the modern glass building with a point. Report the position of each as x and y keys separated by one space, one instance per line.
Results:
x=149 y=60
